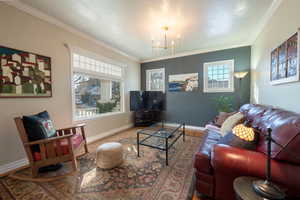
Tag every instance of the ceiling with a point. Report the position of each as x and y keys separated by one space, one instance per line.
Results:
x=129 y=25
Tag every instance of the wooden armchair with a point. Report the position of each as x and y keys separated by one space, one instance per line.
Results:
x=64 y=147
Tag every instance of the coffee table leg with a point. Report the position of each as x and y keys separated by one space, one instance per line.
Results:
x=184 y=132
x=167 y=149
x=138 y=144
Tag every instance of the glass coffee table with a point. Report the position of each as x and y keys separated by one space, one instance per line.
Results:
x=160 y=136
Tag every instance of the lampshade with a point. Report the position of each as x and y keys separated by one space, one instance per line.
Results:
x=244 y=132
x=240 y=74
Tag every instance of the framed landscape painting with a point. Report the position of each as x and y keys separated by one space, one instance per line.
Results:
x=24 y=74
x=183 y=82
x=285 y=61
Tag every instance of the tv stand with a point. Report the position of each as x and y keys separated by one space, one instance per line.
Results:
x=146 y=117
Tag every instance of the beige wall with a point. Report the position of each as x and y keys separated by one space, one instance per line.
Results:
x=282 y=25
x=25 y=32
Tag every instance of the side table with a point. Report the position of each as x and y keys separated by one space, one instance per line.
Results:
x=243 y=189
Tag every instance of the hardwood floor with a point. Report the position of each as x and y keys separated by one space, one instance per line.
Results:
x=193 y=132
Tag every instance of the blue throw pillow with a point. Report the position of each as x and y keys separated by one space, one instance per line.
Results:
x=39 y=126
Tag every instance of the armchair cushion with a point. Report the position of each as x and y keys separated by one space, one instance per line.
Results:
x=39 y=126
x=77 y=139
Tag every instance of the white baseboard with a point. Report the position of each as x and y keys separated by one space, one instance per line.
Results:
x=199 y=128
x=23 y=162
x=108 y=133
x=13 y=165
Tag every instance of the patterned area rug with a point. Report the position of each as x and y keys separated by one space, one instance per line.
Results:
x=143 y=178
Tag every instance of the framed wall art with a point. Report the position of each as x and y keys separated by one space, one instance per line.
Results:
x=183 y=82
x=155 y=79
x=285 y=61
x=24 y=74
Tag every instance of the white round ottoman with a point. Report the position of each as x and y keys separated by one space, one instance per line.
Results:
x=109 y=155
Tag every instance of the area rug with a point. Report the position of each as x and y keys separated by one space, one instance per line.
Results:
x=143 y=178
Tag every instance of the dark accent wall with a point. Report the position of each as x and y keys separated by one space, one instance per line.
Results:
x=197 y=108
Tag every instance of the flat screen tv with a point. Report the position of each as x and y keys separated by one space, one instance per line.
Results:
x=147 y=100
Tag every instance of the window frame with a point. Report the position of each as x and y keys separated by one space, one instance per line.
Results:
x=231 y=76
x=148 y=73
x=97 y=75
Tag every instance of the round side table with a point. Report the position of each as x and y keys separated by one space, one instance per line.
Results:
x=243 y=189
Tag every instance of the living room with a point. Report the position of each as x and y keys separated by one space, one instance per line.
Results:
x=162 y=99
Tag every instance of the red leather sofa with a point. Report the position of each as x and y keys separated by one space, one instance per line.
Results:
x=216 y=166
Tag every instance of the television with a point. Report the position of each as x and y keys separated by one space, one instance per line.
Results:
x=147 y=100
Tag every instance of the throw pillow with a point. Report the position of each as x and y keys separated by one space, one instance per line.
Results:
x=220 y=119
x=39 y=126
x=248 y=142
x=230 y=122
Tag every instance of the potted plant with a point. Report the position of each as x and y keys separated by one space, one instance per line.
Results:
x=224 y=104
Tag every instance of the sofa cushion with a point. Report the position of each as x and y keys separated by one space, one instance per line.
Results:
x=285 y=127
x=202 y=157
x=253 y=114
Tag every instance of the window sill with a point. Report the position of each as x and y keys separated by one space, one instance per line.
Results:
x=217 y=91
x=76 y=119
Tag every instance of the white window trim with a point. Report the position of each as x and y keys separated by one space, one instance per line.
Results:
x=76 y=50
x=205 y=77
x=148 y=72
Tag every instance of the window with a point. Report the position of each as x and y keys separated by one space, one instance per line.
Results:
x=155 y=80
x=97 y=87
x=218 y=76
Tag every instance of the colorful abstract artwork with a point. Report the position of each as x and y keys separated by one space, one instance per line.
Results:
x=24 y=74
x=183 y=82
x=285 y=62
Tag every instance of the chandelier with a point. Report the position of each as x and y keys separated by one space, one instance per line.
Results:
x=165 y=45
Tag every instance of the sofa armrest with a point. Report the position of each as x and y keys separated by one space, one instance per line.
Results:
x=234 y=162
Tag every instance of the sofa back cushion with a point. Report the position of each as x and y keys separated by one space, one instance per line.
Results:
x=285 y=127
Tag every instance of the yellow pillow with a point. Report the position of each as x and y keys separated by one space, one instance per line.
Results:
x=230 y=122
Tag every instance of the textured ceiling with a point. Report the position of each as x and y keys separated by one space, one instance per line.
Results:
x=128 y=25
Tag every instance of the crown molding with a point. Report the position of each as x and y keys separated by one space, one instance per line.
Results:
x=52 y=20
x=194 y=52
x=35 y=12
x=266 y=19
